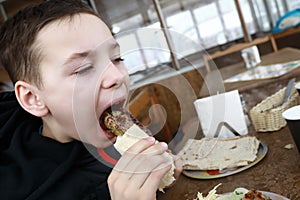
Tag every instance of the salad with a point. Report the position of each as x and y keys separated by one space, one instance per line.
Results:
x=237 y=194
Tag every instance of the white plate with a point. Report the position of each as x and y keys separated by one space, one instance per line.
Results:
x=274 y=196
x=212 y=174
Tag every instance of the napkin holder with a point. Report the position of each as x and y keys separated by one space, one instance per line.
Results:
x=267 y=115
x=226 y=125
x=221 y=115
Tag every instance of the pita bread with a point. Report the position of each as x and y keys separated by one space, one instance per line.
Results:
x=219 y=153
x=133 y=135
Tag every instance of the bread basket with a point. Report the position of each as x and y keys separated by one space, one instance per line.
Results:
x=266 y=116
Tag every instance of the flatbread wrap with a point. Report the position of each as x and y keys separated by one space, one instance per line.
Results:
x=129 y=131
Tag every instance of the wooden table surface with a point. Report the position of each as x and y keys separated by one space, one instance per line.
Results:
x=282 y=56
x=214 y=80
x=279 y=171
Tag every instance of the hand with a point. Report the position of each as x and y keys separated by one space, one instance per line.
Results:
x=138 y=172
x=178 y=166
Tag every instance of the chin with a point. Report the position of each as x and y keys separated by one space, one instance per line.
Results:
x=104 y=140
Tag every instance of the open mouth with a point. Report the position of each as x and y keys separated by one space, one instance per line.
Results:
x=117 y=120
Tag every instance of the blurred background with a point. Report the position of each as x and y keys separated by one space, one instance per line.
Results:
x=209 y=25
x=163 y=43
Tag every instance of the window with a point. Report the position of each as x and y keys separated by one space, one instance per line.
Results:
x=193 y=25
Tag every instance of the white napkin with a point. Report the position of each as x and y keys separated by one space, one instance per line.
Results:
x=225 y=107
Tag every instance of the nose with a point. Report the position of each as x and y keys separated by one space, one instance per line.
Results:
x=114 y=76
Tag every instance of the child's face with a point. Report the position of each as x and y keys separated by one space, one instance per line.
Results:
x=82 y=76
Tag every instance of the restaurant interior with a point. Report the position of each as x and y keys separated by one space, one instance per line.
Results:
x=181 y=51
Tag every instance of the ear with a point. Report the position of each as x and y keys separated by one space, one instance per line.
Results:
x=30 y=100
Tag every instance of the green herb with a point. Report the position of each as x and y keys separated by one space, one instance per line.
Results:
x=238 y=193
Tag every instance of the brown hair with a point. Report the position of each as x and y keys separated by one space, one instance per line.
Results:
x=18 y=54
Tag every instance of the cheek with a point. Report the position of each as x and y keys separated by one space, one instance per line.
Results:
x=124 y=71
x=58 y=99
x=61 y=109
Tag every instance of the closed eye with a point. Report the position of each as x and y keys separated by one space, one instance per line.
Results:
x=83 y=70
x=119 y=59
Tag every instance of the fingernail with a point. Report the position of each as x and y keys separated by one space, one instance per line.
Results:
x=163 y=144
x=151 y=139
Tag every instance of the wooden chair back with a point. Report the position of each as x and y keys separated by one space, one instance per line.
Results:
x=238 y=47
x=145 y=107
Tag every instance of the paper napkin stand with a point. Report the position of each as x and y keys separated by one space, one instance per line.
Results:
x=221 y=115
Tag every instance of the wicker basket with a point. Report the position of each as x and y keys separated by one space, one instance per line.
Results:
x=265 y=119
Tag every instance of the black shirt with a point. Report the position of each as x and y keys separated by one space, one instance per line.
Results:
x=37 y=167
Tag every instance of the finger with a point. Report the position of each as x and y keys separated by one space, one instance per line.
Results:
x=141 y=145
x=157 y=149
x=145 y=168
x=178 y=165
x=129 y=162
x=126 y=161
x=154 y=178
x=131 y=153
x=151 y=183
x=118 y=180
x=145 y=161
x=142 y=164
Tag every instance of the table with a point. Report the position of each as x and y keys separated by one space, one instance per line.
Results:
x=283 y=55
x=279 y=171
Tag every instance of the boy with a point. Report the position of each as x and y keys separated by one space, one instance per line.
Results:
x=66 y=69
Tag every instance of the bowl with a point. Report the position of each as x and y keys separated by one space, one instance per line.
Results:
x=297 y=86
x=292 y=117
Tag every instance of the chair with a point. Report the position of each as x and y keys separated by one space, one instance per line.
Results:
x=285 y=33
x=145 y=107
x=236 y=48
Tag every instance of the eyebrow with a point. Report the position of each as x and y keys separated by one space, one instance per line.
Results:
x=76 y=56
x=80 y=55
